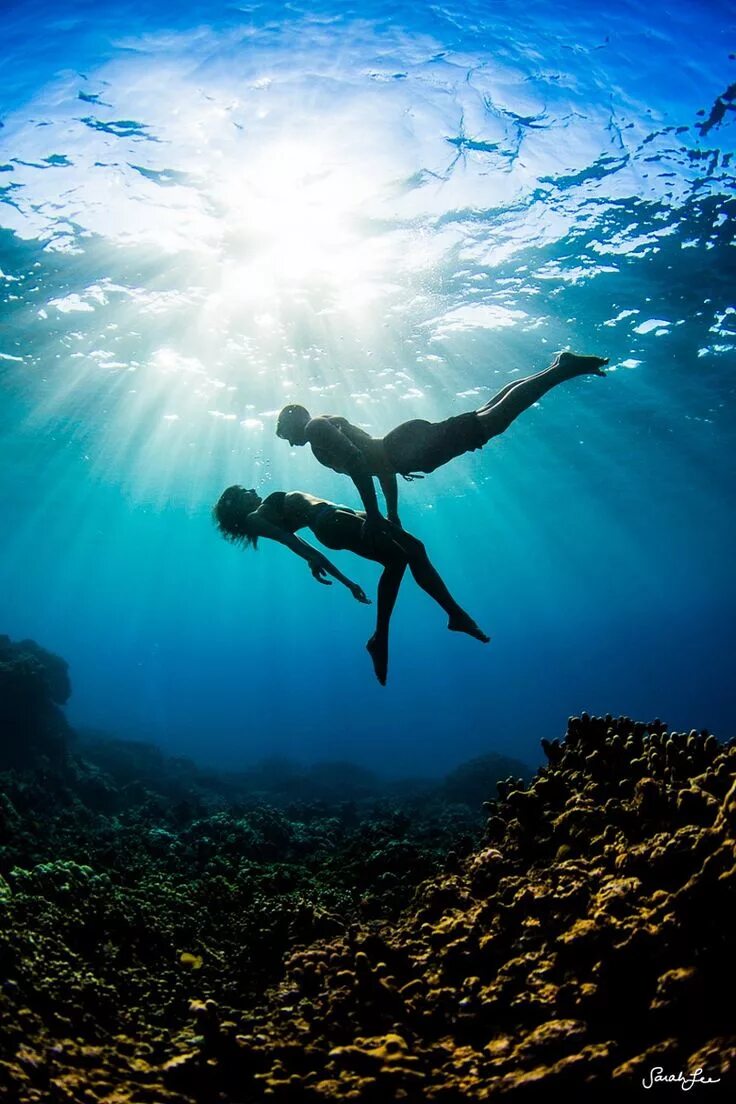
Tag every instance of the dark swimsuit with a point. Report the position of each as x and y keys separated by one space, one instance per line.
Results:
x=329 y=533
x=277 y=501
x=421 y=446
x=319 y=513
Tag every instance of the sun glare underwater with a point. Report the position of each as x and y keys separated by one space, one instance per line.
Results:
x=387 y=212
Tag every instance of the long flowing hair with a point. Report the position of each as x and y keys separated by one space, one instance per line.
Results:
x=230 y=514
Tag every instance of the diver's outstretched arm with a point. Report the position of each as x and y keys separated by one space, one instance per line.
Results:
x=390 y=489
x=513 y=399
x=342 y=452
x=318 y=562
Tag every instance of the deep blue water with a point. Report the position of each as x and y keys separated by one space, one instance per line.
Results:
x=386 y=211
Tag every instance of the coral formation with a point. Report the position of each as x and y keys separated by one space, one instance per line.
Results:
x=586 y=941
x=178 y=940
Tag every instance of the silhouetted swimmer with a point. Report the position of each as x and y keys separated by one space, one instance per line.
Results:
x=243 y=516
x=420 y=446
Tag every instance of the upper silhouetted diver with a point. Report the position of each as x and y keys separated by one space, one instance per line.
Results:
x=420 y=446
x=243 y=516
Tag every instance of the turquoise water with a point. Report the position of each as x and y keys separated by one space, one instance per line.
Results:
x=388 y=212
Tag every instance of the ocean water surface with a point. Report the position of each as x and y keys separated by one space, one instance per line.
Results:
x=386 y=211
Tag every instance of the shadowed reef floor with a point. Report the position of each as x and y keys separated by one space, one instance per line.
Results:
x=181 y=941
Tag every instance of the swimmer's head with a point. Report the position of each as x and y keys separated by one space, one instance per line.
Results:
x=231 y=512
x=292 y=423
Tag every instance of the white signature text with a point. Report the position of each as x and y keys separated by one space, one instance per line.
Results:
x=657 y=1076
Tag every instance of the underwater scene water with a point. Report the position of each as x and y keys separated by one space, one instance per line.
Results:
x=235 y=868
x=384 y=211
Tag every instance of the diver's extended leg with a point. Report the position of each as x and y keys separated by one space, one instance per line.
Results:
x=431 y=582
x=421 y=446
x=513 y=399
x=388 y=591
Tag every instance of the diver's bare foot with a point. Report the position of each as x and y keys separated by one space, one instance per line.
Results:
x=464 y=623
x=379 y=654
x=574 y=365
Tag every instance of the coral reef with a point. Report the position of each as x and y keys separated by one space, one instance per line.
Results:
x=173 y=936
x=585 y=942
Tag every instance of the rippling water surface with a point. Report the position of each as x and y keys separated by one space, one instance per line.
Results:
x=386 y=211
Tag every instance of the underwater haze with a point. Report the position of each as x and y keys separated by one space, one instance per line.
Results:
x=386 y=211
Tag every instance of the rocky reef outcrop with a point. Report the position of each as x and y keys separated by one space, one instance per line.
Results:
x=585 y=942
x=34 y=683
x=175 y=938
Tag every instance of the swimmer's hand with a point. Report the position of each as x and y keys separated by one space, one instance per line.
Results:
x=320 y=567
x=359 y=594
x=319 y=570
x=411 y=476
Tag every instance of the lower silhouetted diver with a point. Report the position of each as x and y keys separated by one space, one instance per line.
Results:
x=243 y=516
x=420 y=446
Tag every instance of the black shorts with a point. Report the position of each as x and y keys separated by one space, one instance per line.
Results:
x=420 y=446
